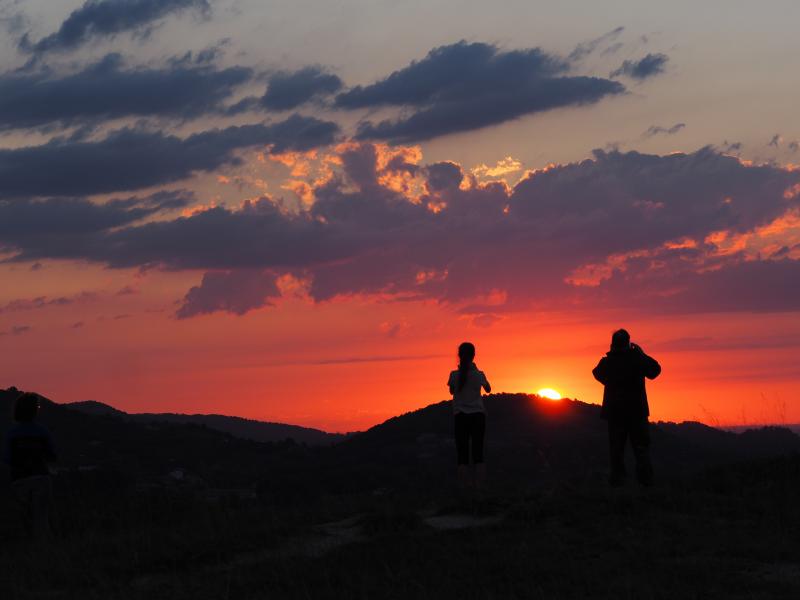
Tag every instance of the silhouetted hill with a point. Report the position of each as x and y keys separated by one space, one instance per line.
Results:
x=129 y=452
x=531 y=442
x=249 y=429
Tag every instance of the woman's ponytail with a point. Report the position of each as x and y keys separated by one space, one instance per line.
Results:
x=466 y=354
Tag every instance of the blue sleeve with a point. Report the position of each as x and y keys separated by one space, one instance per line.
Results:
x=7 y=447
x=48 y=445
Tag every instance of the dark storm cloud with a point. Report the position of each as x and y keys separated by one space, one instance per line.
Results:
x=290 y=90
x=97 y=19
x=657 y=129
x=107 y=90
x=255 y=236
x=466 y=86
x=236 y=292
x=444 y=175
x=132 y=158
x=484 y=249
x=68 y=218
x=287 y=90
x=650 y=65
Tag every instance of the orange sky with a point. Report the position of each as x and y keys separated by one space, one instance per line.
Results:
x=290 y=262
x=338 y=366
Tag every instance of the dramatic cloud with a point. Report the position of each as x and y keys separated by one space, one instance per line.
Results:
x=105 y=18
x=631 y=230
x=290 y=90
x=650 y=65
x=68 y=220
x=131 y=158
x=466 y=86
x=236 y=292
x=287 y=90
x=657 y=129
x=107 y=90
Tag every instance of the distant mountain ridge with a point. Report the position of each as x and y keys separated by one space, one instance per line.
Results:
x=248 y=429
x=531 y=441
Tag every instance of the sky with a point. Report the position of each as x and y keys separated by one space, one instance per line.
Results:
x=296 y=211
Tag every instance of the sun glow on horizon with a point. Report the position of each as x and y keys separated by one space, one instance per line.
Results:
x=549 y=393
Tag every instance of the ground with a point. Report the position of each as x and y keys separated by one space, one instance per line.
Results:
x=731 y=532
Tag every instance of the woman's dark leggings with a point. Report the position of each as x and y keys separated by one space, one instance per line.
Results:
x=470 y=427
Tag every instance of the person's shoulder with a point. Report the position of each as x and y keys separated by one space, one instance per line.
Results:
x=19 y=428
x=41 y=429
x=30 y=429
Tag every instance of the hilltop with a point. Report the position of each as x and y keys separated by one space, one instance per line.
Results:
x=249 y=429
x=530 y=441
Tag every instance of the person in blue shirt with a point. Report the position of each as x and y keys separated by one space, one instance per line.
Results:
x=29 y=452
x=465 y=385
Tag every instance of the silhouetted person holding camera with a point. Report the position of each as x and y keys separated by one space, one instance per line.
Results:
x=465 y=384
x=622 y=371
x=29 y=452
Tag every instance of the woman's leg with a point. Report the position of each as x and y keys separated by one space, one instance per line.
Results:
x=462 y=448
x=478 y=433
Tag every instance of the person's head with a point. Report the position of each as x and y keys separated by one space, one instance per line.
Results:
x=26 y=407
x=620 y=340
x=466 y=353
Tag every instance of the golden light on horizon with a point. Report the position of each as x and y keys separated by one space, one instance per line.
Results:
x=549 y=393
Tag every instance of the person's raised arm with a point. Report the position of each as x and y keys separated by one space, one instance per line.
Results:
x=650 y=367
x=599 y=371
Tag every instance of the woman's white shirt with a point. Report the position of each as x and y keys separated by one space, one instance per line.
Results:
x=468 y=399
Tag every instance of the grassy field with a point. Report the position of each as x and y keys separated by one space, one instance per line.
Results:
x=732 y=532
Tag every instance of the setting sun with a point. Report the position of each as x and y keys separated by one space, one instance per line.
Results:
x=549 y=393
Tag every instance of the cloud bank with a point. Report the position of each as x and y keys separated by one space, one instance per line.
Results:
x=683 y=232
x=466 y=86
x=97 y=19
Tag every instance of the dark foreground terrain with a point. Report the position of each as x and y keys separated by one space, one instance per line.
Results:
x=181 y=511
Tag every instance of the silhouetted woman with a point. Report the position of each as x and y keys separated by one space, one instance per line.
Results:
x=465 y=384
x=29 y=451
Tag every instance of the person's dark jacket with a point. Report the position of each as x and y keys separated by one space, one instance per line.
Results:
x=29 y=450
x=622 y=372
